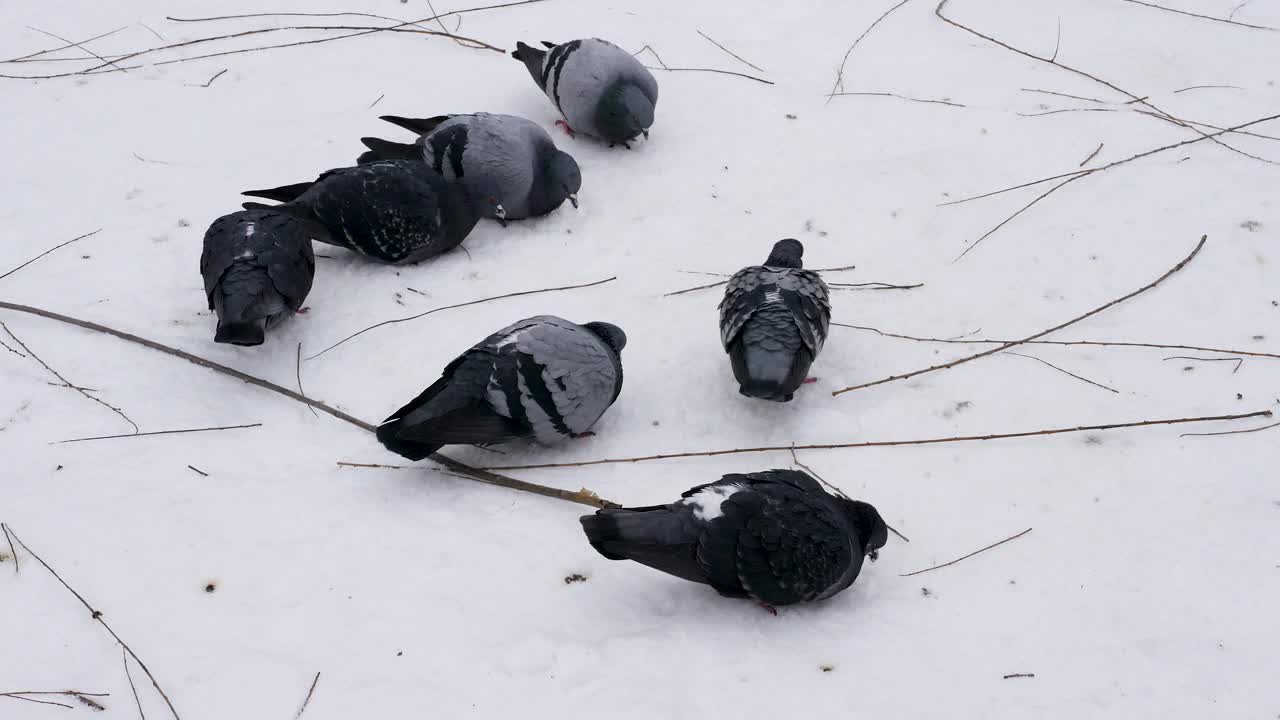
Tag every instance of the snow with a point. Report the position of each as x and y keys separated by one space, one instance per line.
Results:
x=1147 y=588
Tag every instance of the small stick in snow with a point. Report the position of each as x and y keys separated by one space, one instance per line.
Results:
x=583 y=496
x=699 y=287
x=1206 y=87
x=1226 y=21
x=900 y=97
x=67 y=382
x=1065 y=372
x=355 y=14
x=1057 y=44
x=713 y=70
x=198 y=470
x=1232 y=15
x=1092 y=155
x=734 y=54
x=15 y=352
x=343 y=463
x=1019 y=675
x=1042 y=333
x=215 y=77
x=1065 y=95
x=157 y=432
x=1238 y=361
x=307 y=699
x=966 y=557
x=76 y=44
x=465 y=304
x=375 y=102
x=1099 y=343
x=297 y=369
x=874 y=286
x=136 y=700
x=84 y=697
x=889 y=443
x=12 y=552
x=651 y=52
x=153 y=32
x=1232 y=432
x=46 y=252
x=96 y=615
x=29 y=56
x=839 y=83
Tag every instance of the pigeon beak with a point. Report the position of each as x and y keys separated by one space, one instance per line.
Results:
x=874 y=555
x=645 y=132
x=573 y=198
x=500 y=213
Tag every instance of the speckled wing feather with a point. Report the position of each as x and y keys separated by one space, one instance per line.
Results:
x=279 y=243
x=803 y=292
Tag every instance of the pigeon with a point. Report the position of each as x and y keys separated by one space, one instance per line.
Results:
x=599 y=87
x=257 y=267
x=543 y=378
x=396 y=211
x=773 y=322
x=775 y=536
x=509 y=164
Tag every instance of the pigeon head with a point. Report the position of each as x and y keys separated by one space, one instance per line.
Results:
x=611 y=334
x=873 y=533
x=624 y=112
x=786 y=253
x=562 y=177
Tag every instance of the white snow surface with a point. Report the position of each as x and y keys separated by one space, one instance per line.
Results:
x=1147 y=588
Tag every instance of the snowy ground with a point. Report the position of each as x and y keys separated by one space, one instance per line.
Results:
x=1149 y=584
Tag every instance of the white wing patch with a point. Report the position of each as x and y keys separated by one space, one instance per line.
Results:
x=773 y=296
x=706 y=503
x=250 y=229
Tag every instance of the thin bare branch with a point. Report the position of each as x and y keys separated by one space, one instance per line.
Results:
x=900 y=97
x=1195 y=251
x=1057 y=44
x=966 y=557
x=124 y=658
x=1232 y=432
x=216 y=75
x=307 y=699
x=839 y=83
x=5 y=345
x=157 y=432
x=459 y=305
x=1238 y=361
x=12 y=552
x=297 y=370
x=1206 y=87
x=153 y=32
x=67 y=382
x=97 y=616
x=68 y=46
x=356 y=14
x=198 y=471
x=873 y=286
x=732 y=53
x=583 y=496
x=887 y=443
x=695 y=288
x=1202 y=17
x=46 y=252
x=1100 y=343
x=1065 y=95
x=1092 y=155
x=713 y=70
x=1065 y=372
x=375 y=102
x=76 y=44
x=342 y=463
x=19 y=696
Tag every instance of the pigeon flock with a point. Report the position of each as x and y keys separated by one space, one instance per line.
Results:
x=776 y=537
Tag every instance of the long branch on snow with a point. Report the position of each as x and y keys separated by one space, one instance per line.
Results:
x=583 y=497
x=966 y=557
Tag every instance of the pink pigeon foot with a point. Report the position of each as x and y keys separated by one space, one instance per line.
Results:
x=810 y=381
x=568 y=130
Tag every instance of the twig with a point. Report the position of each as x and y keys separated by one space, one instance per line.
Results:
x=459 y=305
x=307 y=699
x=1232 y=432
x=583 y=496
x=652 y=52
x=355 y=14
x=1019 y=675
x=153 y=32
x=137 y=700
x=1205 y=87
x=215 y=77
x=1057 y=44
x=839 y=83
x=12 y=553
x=713 y=70
x=198 y=470
x=1202 y=17
x=67 y=382
x=96 y=615
x=734 y=54
x=966 y=557
x=1066 y=110
x=139 y=158
x=900 y=97
x=699 y=287
x=849 y=267
x=1065 y=95
x=342 y=463
x=1065 y=372
x=431 y=6
x=1092 y=155
x=79 y=45
x=19 y=696
x=46 y=252
x=15 y=352
x=157 y=432
x=886 y=443
x=1238 y=361
x=1231 y=15
x=297 y=369
x=796 y=459
x=874 y=286
x=375 y=102
x=1038 y=335
x=836 y=269
x=64 y=47
x=1100 y=343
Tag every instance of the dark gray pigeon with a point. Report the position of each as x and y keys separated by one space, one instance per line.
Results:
x=257 y=267
x=543 y=378
x=510 y=166
x=775 y=536
x=773 y=322
x=396 y=211
x=599 y=88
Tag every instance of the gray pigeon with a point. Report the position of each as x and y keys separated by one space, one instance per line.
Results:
x=510 y=166
x=543 y=378
x=396 y=211
x=599 y=88
x=775 y=536
x=773 y=322
x=257 y=267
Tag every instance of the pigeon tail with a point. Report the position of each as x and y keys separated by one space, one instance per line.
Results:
x=284 y=193
x=421 y=126
x=653 y=536
x=409 y=450
x=387 y=150
x=248 y=333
